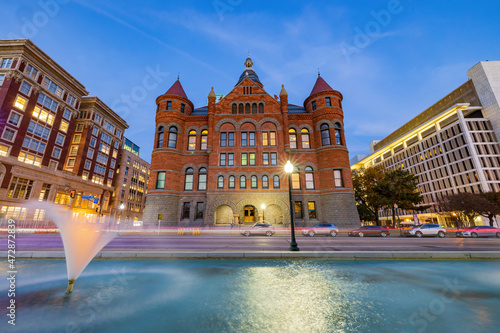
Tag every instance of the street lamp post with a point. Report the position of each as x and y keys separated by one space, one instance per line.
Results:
x=289 y=170
x=122 y=207
x=263 y=206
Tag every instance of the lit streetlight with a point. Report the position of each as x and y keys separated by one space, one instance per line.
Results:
x=289 y=170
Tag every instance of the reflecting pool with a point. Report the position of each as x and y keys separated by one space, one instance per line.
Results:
x=256 y=296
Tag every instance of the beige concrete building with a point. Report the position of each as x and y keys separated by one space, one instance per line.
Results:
x=452 y=146
x=130 y=185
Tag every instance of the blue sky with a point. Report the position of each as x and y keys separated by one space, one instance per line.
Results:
x=390 y=59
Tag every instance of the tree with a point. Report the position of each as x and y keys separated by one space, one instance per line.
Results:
x=398 y=189
x=491 y=208
x=368 y=201
x=468 y=206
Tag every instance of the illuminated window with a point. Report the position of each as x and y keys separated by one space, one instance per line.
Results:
x=311 y=205
x=292 y=135
x=244 y=159
x=77 y=138
x=192 y=140
x=276 y=181
x=305 y=138
x=20 y=188
x=204 y=139
x=20 y=103
x=298 y=209
x=251 y=158
x=44 y=193
x=220 y=182
x=4 y=150
x=265 y=182
x=85 y=175
x=265 y=158
x=64 y=126
x=243 y=182
x=231 y=181
x=296 y=180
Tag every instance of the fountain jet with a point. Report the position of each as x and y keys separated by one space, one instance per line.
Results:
x=81 y=240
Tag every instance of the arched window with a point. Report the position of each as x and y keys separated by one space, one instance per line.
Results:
x=192 y=140
x=240 y=108
x=276 y=181
x=261 y=108
x=254 y=108
x=235 y=107
x=338 y=137
x=292 y=136
x=254 y=181
x=220 y=182
x=188 y=182
x=306 y=144
x=204 y=139
x=325 y=135
x=231 y=181
x=309 y=178
x=202 y=179
x=172 y=137
x=159 y=142
x=243 y=182
x=247 y=108
x=265 y=182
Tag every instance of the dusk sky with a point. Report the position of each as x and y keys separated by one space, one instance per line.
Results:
x=389 y=59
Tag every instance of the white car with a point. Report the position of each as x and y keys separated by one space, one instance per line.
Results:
x=327 y=229
x=429 y=229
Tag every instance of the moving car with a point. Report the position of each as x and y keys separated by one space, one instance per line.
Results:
x=259 y=229
x=479 y=231
x=327 y=229
x=428 y=229
x=370 y=230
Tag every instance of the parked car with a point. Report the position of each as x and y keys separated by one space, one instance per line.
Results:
x=370 y=230
x=327 y=229
x=259 y=229
x=479 y=231
x=428 y=229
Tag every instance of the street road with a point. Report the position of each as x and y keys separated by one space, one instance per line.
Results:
x=30 y=242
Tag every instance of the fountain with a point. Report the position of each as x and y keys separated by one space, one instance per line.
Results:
x=81 y=240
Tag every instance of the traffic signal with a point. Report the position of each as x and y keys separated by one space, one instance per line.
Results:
x=72 y=194
x=97 y=209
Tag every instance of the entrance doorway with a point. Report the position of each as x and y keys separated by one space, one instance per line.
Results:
x=249 y=214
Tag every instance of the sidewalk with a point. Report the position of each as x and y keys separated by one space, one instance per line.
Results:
x=215 y=254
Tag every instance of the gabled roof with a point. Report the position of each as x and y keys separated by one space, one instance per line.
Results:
x=176 y=89
x=320 y=86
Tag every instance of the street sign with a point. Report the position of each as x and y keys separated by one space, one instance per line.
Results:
x=87 y=197
x=96 y=200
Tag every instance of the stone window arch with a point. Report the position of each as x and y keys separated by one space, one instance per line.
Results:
x=325 y=135
x=276 y=181
x=172 y=137
x=305 y=138
x=192 y=140
x=261 y=107
x=232 y=181
x=234 y=109
x=253 y=181
x=243 y=181
x=159 y=140
x=254 y=108
x=220 y=182
x=265 y=181
x=202 y=179
x=241 y=108
x=338 y=134
x=309 y=175
x=188 y=179
x=292 y=137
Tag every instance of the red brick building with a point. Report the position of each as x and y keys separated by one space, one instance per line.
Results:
x=224 y=163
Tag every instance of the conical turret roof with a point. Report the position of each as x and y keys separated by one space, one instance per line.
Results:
x=176 y=89
x=320 y=86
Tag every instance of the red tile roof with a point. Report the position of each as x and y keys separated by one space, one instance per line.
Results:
x=320 y=85
x=176 y=89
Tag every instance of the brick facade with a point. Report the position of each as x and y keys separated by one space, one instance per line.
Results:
x=247 y=134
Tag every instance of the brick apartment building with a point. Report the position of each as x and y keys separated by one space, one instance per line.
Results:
x=224 y=163
x=47 y=129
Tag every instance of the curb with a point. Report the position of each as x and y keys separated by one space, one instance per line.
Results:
x=328 y=255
